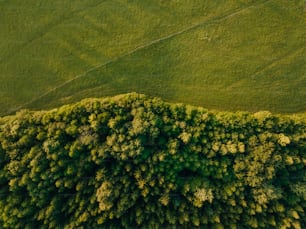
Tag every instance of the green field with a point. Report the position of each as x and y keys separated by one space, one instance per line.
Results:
x=226 y=55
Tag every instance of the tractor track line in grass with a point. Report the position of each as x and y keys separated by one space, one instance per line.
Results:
x=277 y=61
x=267 y=66
x=141 y=47
x=43 y=31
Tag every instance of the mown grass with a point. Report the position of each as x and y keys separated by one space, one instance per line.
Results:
x=226 y=55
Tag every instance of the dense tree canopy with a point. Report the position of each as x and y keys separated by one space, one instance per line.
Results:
x=136 y=162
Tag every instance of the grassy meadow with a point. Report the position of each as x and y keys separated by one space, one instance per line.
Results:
x=225 y=55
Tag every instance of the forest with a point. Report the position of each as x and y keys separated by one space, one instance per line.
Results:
x=133 y=161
